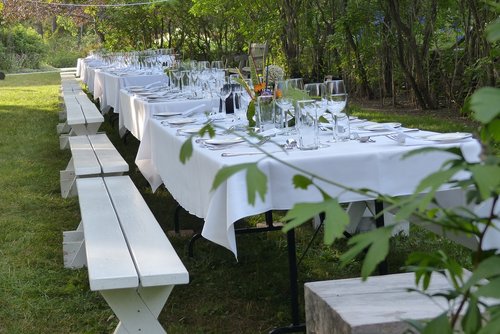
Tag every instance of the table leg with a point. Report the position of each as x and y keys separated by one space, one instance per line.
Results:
x=296 y=325
x=383 y=267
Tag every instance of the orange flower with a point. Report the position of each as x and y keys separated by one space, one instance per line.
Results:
x=278 y=93
x=259 y=87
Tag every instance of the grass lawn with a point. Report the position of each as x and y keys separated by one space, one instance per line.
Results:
x=37 y=295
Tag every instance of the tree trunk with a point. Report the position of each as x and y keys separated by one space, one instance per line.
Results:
x=54 y=24
x=408 y=51
x=360 y=66
x=289 y=12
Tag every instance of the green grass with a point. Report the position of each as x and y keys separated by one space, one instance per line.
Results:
x=37 y=295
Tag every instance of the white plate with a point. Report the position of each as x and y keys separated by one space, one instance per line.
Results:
x=381 y=126
x=224 y=141
x=179 y=121
x=449 y=137
x=168 y=113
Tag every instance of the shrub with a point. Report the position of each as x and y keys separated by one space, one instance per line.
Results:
x=23 y=48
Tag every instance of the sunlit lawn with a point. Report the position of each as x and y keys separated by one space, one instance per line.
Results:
x=37 y=295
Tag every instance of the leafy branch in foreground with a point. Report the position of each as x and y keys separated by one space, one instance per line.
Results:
x=471 y=309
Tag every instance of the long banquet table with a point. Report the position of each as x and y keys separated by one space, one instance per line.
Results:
x=135 y=111
x=378 y=166
x=107 y=86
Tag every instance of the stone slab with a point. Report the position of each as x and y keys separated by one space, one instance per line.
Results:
x=379 y=305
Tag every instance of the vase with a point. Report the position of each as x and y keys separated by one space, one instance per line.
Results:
x=265 y=113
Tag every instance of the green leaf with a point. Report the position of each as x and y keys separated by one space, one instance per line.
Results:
x=485 y=103
x=487 y=178
x=487 y=268
x=491 y=289
x=440 y=324
x=336 y=219
x=378 y=242
x=492 y=326
x=301 y=181
x=437 y=179
x=186 y=150
x=253 y=71
x=256 y=180
x=251 y=114
x=471 y=322
x=491 y=130
x=493 y=31
x=226 y=172
x=256 y=183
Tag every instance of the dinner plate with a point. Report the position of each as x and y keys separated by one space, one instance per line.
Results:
x=449 y=137
x=224 y=141
x=380 y=126
x=179 y=121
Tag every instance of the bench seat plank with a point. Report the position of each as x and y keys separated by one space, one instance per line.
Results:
x=84 y=160
x=110 y=265
x=156 y=261
x=110 y=159
x=74 y=113
x=90 y=111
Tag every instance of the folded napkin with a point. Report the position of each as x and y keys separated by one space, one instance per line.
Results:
x=405 y=139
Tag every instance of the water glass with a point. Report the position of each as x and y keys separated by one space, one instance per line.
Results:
x=307 y=124
x=341 y=127
x=264 y=109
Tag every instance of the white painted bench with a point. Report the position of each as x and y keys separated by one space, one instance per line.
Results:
x=130 y=260
x=91 y=155
x=82 y=117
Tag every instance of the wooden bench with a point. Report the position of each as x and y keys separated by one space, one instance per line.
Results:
x=82 y=117
x=379 y=305
x=130 y=260
x=91 y=155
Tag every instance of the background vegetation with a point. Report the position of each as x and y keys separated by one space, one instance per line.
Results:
x=428 y=53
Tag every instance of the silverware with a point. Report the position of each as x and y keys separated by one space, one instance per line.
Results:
x=237 y=154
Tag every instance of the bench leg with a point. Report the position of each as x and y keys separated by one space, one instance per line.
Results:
x=67 y=180
x=138 y=309
x=74 y=249
x=63 y=141
x=62 y=128
x=78 y=130
x=93 y=127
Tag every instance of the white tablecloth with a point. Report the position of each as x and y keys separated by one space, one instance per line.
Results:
x=134 y=111
x=107 y=86
x=378 y=166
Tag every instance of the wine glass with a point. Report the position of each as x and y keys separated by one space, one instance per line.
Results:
x=284 y=102
x=217 y=65
x=239 y=111
x=336 y=97
x=296 y=83
x=223 y=93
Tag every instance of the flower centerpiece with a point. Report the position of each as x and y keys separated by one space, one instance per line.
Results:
x=262 y=86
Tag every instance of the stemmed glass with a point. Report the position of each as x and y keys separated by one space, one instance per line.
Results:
x=239 y=112
x=336 y=97
x=177 y=71
x=284 y=101
x=223 y=94
x=317 y=92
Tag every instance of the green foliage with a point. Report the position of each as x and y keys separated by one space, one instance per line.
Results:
x=23 y=48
